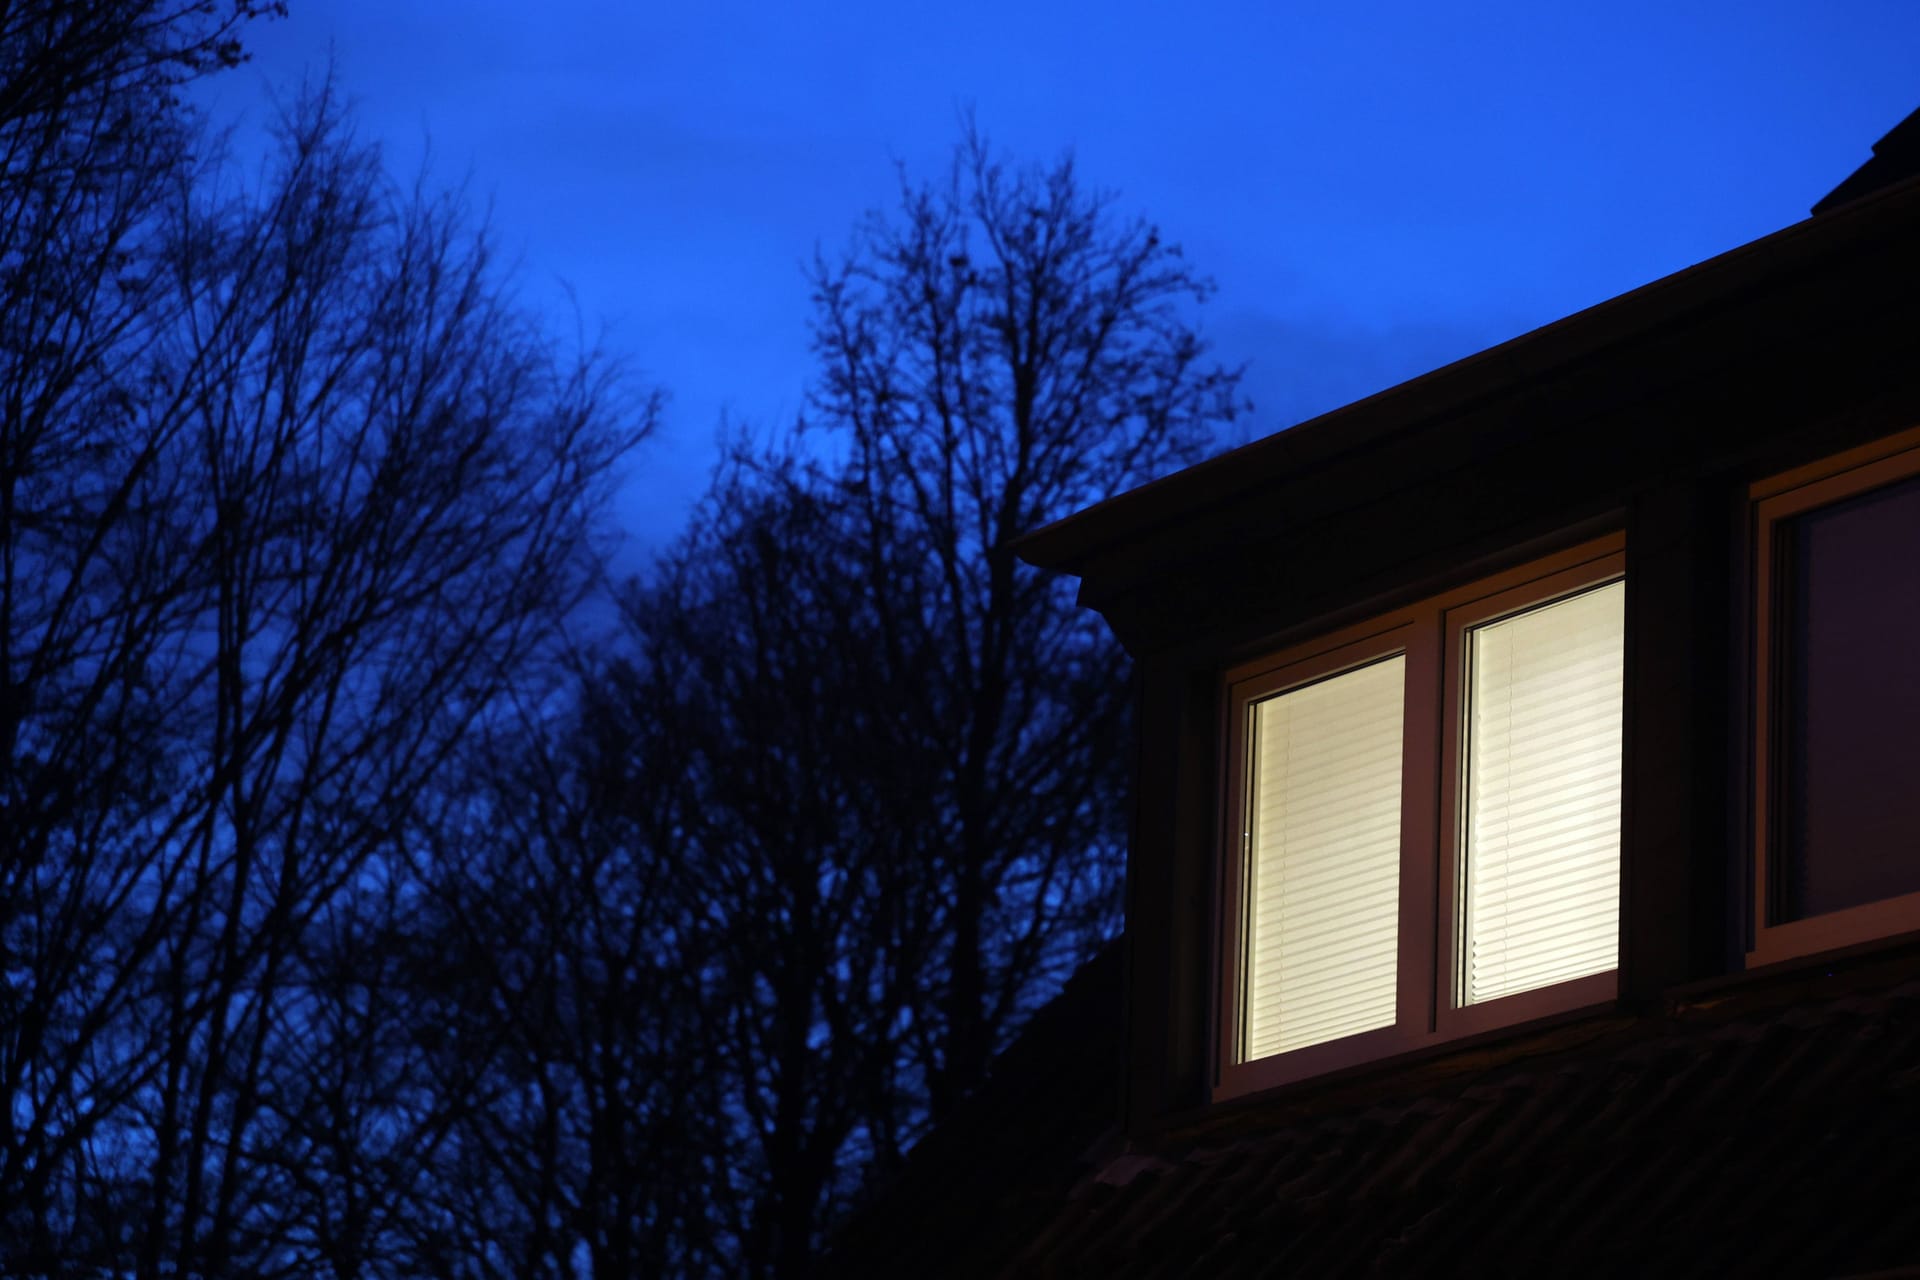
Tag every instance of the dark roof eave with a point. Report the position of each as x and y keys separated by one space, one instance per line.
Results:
x=1069 y=544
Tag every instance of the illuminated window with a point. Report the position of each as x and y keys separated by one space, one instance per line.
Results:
x=1323 y=858
x=1540 y=845
x=1426 y=830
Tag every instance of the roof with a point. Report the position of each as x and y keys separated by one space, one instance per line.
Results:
x=1896 y=158
x=1808 y=305
x=1763 y=1125
x=998 y=1170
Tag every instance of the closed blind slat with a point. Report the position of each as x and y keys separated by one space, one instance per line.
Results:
x=1542 y=857
x=1323 y=859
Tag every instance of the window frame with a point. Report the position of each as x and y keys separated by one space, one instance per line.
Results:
x=1775 y=501
x=1453 y=1016
x=1378 y=641
x=1432 y=635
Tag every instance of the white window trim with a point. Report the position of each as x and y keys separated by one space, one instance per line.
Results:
x=1774 y=500
x=1431 y=635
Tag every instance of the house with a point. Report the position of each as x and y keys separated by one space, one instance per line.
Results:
x=1525 y=873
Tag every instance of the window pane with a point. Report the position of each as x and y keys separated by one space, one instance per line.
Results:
x=1323 y=859
x=1541 y=864
x=1851 y=732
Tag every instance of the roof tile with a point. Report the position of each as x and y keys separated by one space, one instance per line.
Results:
x=1739 y=1135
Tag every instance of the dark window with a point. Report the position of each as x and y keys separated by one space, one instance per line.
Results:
x=1850 y=737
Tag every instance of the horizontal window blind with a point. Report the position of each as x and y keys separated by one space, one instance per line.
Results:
x=1323 y=860
x=1542 y=830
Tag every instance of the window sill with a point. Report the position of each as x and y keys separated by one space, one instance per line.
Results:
x=1495 y=1023
x=1768 y=982
x=1836 y=931
x=1438 y=1064
x=1434 y=1063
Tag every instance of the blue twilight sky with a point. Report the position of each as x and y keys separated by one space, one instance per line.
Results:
x=1377 y=186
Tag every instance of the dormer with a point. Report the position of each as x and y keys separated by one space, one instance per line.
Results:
x=1534 y=689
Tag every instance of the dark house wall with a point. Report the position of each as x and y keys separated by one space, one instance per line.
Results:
x=1650 y=414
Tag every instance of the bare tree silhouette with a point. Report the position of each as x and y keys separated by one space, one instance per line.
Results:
x=879 y=762
x=999 y=353
x=291 y=496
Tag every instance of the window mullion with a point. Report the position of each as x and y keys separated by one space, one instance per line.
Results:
x=1420 y=818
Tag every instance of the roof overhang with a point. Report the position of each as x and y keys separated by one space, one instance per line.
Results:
x=1612 y=393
